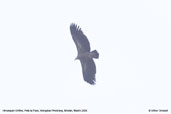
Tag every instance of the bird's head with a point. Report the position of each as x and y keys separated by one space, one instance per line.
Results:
x=77 y=58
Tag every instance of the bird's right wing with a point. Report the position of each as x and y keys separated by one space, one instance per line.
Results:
x=88 y=70
x=80 y=39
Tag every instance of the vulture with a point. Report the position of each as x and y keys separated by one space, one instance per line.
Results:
x=84 y=54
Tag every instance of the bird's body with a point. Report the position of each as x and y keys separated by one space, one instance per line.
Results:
x=84 y=54
x=87 y=55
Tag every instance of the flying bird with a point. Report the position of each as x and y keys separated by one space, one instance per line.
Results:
x=84 y=54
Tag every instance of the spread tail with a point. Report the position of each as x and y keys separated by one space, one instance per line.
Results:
x=95 y=54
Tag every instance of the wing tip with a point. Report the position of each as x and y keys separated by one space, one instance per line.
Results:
x=74 y=27
x=91 y=82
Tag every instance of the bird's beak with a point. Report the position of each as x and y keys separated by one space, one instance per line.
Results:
x=76 y=58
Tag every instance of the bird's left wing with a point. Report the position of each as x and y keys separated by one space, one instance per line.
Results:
x=80 y=39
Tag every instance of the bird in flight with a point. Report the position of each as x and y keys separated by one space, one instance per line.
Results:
x=84 y=54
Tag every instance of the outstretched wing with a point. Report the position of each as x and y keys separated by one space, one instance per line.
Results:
x=80 y=39
x=88 y=70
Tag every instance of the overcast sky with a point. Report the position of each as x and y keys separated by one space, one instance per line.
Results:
x=37 y=67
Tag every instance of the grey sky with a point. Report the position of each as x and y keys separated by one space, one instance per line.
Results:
x=37 y=67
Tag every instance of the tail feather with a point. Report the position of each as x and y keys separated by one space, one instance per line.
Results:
x=95 y=54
